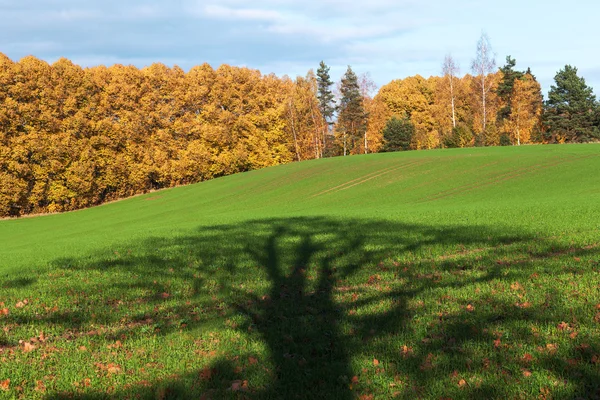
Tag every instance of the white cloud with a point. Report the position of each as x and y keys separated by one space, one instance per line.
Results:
x=390 y=38
x=246 y=14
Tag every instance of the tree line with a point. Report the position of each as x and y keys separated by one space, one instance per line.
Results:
x=73 y=137
x=490 y=107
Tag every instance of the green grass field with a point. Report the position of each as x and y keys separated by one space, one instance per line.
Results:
x=467 y=273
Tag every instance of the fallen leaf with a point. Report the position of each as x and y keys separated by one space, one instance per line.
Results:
x=527 y=357
x=28 y=347
x=5 y=385
x=470 y=308
x=523 y=305
x=375 y=362
x=562 y=326
x=239 y=385
x=406 y=351
x=40 y=387
x=20 y=304
x=4 y=311
x=572 y=362
x=252 y=360
x=355 y=379
x=526 y=373
x=206 y=374
x=113 y=369
x=573 y=335
x=427 y=364
x=462 y=383
x=165 y=295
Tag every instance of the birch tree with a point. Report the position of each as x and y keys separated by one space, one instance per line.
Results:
x=483 y=65
x=367 y=88
x=450 y=70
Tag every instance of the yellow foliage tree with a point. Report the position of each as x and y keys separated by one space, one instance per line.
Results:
x=526 y=110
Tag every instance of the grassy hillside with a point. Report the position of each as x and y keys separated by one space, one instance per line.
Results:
x=451 y=273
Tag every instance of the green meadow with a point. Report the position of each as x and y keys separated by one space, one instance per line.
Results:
x=459 y=273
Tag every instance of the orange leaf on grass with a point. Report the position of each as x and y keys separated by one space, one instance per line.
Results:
x=406 y=350
x=28 y=347
x=573 y=335
x=526 y=373
x=113 y=368
x=375 y=362
x=562 y=326
x=207 y=373
x=527 y=357
x=5 y=385
x=239 y=385
x=470 y=308
x=462 y=383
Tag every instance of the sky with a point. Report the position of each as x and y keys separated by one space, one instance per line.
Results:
x=389 y=39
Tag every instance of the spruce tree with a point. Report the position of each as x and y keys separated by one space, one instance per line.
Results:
x=324 y=93
x=352 y=121
x=326 y=101
x=571 y=109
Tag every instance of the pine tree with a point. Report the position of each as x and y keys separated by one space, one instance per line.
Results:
x=352 y=122
x=398 y=134
x=505 y=88
x=571 y=109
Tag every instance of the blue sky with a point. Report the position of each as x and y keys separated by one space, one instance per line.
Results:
x=389 y=39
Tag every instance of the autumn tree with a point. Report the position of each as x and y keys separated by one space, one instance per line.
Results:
x=352 y=119
x=571 y=108
x=483 y=65
x=73 y=137
x=526 y=109
x=370 y=142
x=304 y=117
x=413 y=97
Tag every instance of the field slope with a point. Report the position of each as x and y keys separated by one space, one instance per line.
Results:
x=446 y=273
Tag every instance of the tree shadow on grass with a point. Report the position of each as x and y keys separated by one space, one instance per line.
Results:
x=342 y=308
